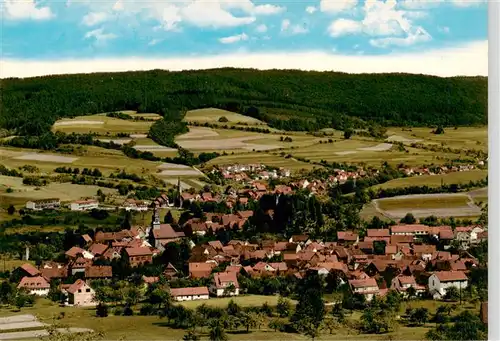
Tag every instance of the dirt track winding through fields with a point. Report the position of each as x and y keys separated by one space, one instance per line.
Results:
x=468 y=210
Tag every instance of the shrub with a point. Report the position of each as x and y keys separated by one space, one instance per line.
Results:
x=223 y=119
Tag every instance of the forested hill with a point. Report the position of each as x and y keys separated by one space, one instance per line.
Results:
x=31 y=105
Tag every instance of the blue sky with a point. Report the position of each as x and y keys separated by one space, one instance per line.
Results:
x=48 y=31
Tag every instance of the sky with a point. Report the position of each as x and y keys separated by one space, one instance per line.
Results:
x=439 y=37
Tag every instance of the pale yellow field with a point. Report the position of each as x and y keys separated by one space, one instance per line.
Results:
x=212 y=115
x=101 y=124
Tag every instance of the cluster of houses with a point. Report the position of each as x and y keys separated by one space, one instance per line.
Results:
x=398 y=258
x=55 y=203
x=245 y=173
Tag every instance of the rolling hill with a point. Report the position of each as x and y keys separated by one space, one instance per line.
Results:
x=286 y=99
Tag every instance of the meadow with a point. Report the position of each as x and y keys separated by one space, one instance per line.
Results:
x=101 y=124
x=435 y=180
x=424 y=205
x=153 y=328
x=212 y=115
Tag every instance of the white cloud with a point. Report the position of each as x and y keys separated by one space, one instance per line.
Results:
x=94 y=18
x=467 y=3
x=155 y=42
x=100 y=36
x=262 y=28
x=341 y=27
x=234 y=39
x=311 y=9
x=440 y=62
x=427 y=4
x=25 y=9
x=268 y=9
x=285 y=24
x=337 y=6
x=444 y=29
x=419 y=36
x=382 y=19
x=210 y=14
x=287 y=27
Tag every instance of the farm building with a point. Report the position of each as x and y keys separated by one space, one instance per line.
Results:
x=440 y=281
x=84 y=205
x=35 y=285
x=225 y=284
x=43 y=204
x=189 y=294
x=81 y=294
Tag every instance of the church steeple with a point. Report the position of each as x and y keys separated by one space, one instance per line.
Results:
x=156 y=219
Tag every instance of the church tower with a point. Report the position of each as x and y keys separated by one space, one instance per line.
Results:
x=156 y=219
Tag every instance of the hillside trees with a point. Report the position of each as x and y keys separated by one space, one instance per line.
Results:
x=30 y=106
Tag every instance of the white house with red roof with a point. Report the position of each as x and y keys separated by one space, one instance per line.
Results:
x=81 y=294
x=367 y=287
x=402 y=283
x=440 y=281
x=37 y=285
x=189 y=294
x=225 y=284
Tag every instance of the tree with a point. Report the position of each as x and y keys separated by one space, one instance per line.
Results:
x=348 y=133
x=411 y=292
x=452 y=294
x=283 y=307
x=11 y=209
x=408 y=219
x=217 y=332
x=223 y=119
x=275 y=324
x=439 y=130
x=191 y=336
x=330 y=324
x=310 y=310
x=169 y=219
x=133 y=295
x=419 y=316
x=101 y=310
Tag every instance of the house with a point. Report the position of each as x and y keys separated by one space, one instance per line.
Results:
x=414 y=230
x=76 y=252
x=37 y=285
x=84 y=205
x=170 y=271
x=200 y=270
x=425 y=252
x=139 y=255
x=347 y=237
x=189 y=294
x=81 y=294
x=162 y=234
x=27 y=270
x=43 y=204
x=98 y=249
x=402 y=283
x=225 y=284
x=440 y=281
x=367 y=287
x=135 y=205
x=377 y=234
x=99 y=272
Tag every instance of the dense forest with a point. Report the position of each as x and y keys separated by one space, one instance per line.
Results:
x=289 y=99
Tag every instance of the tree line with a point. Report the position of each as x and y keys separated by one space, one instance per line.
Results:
x=30 y=106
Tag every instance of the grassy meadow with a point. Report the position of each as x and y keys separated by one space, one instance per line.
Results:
x=154 y=328
x=212 y=115
x=101 y=124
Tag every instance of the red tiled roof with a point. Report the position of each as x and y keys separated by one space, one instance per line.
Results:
x=98 y=249
x=378 y=233
x=450 y=276
x=37 y=282
x=30 y=269
x=424 y=249
x=50 y=273
x=407 y=280
x=410 y=228
x=221 y=278
x=196 y=291
x=363 y=283
x=216 y=244
x=200 y=270
x=138 y=251
x=77 y=285
x=99 y=272
x=74 y=252
x=396 y=239
x=347 y=235
x=245 y=214
x=150 y=279
x=166 y=232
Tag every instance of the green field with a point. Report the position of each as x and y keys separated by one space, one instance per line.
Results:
x=435 y=180
x=63 y=191
x=244 y=301
x=154 y=328
x=461 y=138
x=264 y=158
x=103 y=125
x=212 y=115
x=397 y=203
